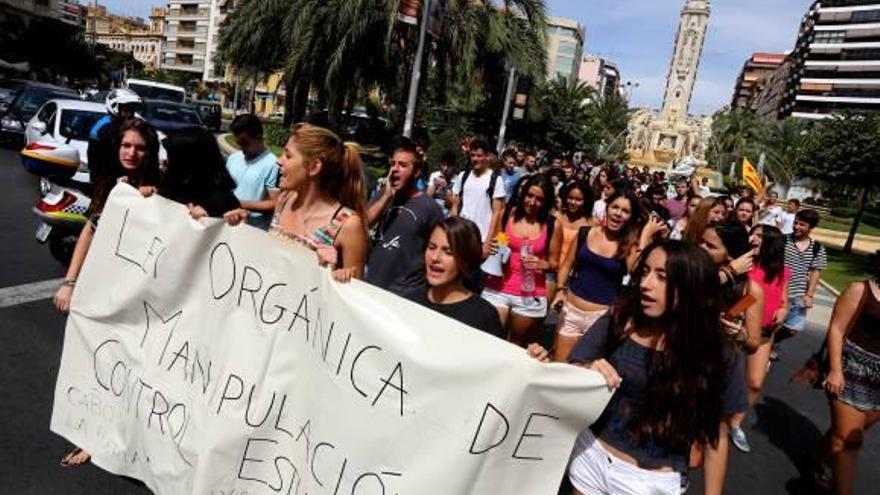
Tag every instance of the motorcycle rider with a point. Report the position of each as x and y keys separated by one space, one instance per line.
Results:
x=122 y=104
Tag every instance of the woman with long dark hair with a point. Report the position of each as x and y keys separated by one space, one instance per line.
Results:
x=769 y=272
x=676 y=381
x=196 y=175
x=137 y=163
x=591 y=274
x=726 y=242
x=519 y=294
x=574 y=212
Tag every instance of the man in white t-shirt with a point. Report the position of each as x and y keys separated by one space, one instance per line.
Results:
x=788 y=216
x=478 y=194
x=771 y=213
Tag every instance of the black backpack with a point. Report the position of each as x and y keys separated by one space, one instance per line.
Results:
x=492 y=181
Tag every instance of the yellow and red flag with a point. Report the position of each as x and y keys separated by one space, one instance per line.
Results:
x=751 y=177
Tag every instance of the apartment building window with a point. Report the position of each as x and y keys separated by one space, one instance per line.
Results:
x=186 y=44
x=187 y=26
x=829 y=37
x=866 y=16
x=189 y=9
x=567 y=47
x=184 y=59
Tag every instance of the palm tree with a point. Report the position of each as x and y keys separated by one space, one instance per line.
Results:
x=735 y=134
x=784 y=145
x=610 y=116
x=343 y=48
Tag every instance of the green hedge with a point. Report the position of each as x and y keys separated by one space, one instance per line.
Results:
x=870 y=217
x=276 y=134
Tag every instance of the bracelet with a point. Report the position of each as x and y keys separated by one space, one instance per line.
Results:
x=68 y=283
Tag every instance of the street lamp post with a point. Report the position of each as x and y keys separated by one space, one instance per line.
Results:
x=416 y=72
x=505 y=114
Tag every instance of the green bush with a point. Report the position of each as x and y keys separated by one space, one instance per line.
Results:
x=276 y=134
x=871 y=218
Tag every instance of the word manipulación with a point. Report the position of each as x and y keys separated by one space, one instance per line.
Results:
x=206 y=359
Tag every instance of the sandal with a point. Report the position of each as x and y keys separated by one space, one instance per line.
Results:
x=76 y=457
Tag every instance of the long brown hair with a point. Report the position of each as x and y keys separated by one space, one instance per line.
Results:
x=341 y=166
x=683 y=401
x=147 y=174
x=697 y=224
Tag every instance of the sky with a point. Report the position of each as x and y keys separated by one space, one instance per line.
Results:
x=638 y=35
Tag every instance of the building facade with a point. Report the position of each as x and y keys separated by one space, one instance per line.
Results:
x=600 y=74
x=71 y=12
x=753 y=77
x=836 y=61
x=769 y=100
x=565 y=46
x=192 y=29
x=129 y=34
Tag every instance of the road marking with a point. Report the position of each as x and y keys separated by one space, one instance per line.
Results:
x=25 y=293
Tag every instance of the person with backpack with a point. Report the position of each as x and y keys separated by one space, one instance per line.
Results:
x=478 y=194
x=592 y=272
x=806 y=258
x=519 y=294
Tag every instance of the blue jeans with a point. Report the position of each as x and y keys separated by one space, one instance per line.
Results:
x=797 y=315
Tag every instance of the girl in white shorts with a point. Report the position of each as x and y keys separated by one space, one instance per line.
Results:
x=520 y=294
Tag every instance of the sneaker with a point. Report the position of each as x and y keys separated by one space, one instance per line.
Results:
x=739 y=439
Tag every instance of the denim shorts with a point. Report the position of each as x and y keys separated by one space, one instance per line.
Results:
x=797 y=315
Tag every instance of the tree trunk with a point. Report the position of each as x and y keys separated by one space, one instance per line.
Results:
x=301 y=103
x=863 y=202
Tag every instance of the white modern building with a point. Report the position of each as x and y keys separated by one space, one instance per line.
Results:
x=836 y=62
x=191 y=36
x=565 y=46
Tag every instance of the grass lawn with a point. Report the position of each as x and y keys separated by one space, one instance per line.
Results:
x=844 y=268
x=843 y=225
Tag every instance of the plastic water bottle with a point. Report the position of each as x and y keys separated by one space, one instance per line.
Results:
x=527 y=284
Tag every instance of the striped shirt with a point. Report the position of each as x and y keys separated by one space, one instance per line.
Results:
x=802 y=263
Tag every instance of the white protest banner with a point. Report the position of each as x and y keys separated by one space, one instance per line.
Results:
x=208 y=359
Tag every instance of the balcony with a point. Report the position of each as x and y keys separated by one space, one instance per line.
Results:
x=189 y=13
x=843 y=65
x=852 y=100
x=193 y=67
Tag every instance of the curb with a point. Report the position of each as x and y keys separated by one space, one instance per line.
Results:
x=829 y=288
x=225 y=148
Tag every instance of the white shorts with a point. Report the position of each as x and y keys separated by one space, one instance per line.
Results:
x=528 y=306
x=593 y=471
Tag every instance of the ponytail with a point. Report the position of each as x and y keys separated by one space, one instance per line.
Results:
x=341 y=165
x=352 y=192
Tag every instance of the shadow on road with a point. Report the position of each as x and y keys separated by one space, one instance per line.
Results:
x=795 y=435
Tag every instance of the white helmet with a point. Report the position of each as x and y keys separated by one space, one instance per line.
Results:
x=119 y=97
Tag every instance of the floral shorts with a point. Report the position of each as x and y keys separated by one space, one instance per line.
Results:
x=861 y=372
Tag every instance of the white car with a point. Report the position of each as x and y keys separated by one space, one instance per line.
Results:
x=66 y=123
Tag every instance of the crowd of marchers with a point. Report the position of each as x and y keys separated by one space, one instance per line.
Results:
x=677 y=295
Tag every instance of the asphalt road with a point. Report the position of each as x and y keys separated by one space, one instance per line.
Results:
x=789 y=420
